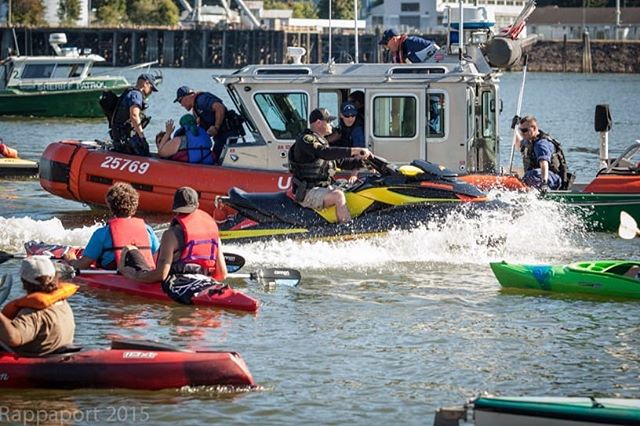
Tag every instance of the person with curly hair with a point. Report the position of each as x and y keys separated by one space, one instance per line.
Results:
x=42 y=321
x=106 y=244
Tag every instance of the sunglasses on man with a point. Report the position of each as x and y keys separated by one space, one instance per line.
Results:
x=524 y=129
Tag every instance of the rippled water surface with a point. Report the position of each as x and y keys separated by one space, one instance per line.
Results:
x=382 y=330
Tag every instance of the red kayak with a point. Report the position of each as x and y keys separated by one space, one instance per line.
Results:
x=132 y=366
x=222 y=296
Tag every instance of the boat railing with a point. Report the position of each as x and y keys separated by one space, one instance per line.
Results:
x=624 y=160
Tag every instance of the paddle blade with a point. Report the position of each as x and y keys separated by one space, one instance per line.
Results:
x=277 y=276
x=6 y=281
x=4 y=256
x=628 y=228
x=234 y=262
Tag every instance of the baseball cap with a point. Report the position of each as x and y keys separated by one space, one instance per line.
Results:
x=349 y=109
x=182 y=92
x=150 y=78
x=185 y=200
x=34 y=267
x=320 y=114
x=387 y=35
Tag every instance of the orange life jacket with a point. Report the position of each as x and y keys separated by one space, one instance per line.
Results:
x=200 y=241
x=39 y=300
x=130 y=231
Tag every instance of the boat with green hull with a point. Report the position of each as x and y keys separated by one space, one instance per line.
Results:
x=605 y=278
x=542 y=411
x=56 y=86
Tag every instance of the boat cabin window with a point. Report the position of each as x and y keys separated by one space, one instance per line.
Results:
x=68 y=71
x=394 y=116
x=488 y=114
x=435 y=115
x=331 y=101
x=285 y=113
x=37 y=71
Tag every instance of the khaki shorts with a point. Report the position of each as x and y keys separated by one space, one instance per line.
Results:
x=314 y=198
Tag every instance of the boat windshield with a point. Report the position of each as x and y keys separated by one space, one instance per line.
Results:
x=284 y=113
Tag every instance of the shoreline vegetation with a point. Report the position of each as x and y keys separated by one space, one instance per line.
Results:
x=210 y=48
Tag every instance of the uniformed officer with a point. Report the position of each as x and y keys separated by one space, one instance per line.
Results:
x=313 y=164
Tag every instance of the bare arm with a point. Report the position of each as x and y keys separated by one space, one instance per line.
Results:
x=136 y=123
x=8 y=333
x=544 y=170
x=221 y=264
x=168 y=245
x=219 y=111
x=82 y=263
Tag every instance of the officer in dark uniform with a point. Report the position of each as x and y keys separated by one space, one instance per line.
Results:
x=128 y=121
x=313 y=164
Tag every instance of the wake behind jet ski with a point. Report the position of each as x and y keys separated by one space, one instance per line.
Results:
x=391 y=198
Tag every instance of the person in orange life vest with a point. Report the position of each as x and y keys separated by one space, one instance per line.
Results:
x=106 y=244
x=191 y=245
x=41 y=322
x=190 y=143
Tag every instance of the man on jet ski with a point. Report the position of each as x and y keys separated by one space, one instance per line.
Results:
x=313 y=164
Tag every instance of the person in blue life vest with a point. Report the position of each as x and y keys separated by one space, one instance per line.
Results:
x=351 y=131
x=41 y=322
x=190 y=143
x=106 y=243
x=404 y=48
x=128 y=121
x=544 y=162
x=210 y=113
x=313 y=162
x=191 y=245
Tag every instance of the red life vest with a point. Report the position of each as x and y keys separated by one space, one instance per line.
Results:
x=200 y=241
x=130 y=231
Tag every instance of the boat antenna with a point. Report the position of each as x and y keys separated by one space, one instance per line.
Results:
x=355 y=23
x=461 y=32
x=15 y=40
x=329 y=58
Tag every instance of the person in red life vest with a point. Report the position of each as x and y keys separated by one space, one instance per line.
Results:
x=190 y=143
x=42 y=321
x=406 y=49
x=190 y=246
x=106 y=244
x=6 y=151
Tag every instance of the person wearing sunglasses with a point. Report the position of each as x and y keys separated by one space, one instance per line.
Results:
x=545 y=165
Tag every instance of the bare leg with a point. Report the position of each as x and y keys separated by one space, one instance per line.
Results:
x=337 y=198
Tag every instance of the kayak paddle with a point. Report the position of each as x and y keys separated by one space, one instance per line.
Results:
x=628 y=228
x=268 y=276
x=234 y=261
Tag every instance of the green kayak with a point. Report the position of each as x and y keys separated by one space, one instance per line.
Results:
x=551 y=411
x=600 y=278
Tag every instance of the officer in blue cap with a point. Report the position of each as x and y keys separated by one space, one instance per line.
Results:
x=407 y=49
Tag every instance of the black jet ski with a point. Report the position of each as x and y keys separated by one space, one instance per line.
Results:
x=390 y=198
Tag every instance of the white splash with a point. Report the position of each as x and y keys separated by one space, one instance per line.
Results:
x=14 y=232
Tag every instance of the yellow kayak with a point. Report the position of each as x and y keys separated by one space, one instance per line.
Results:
x=18 y=167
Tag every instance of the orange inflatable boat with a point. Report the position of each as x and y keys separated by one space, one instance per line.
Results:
x=80 y=171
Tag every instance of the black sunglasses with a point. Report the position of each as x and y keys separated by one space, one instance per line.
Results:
x=524 y=130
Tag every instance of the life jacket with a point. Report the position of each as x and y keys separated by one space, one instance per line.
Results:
x=558 y=163
x=130 y=231
x=308 y=174
x=200 y=242
x=198 y=148
x=120 y=125
x=39 y=300
x=399 y=57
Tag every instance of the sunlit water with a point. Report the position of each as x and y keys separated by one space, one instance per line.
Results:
x=381 y=330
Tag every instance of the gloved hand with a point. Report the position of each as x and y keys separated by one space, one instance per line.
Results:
x=515 y=121
x=544 y=188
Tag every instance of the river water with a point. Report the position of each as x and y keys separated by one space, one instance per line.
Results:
x=382 y=330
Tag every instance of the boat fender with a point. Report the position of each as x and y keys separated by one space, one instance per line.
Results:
x=39 y=300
